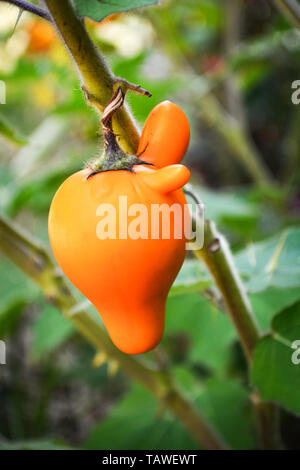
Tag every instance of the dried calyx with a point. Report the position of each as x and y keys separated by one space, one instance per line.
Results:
x=113 y=157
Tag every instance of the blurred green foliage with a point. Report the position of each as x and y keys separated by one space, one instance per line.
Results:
x=51 y=395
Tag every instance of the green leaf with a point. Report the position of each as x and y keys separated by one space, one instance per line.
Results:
x=274 y=262
x=37 y=193
x=50 y=330
x=225 y=204
x=268 y=303
x=16 y=292
x=14 y=285
x=98 y=10
x=226 y=404
x=274 y=373
x=209 y=332
x=135 y=424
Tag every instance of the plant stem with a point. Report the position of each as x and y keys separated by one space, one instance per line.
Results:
x=235 y=138
x=97 y=79
x=217 y=256
x=29 y=7
x=113 y=157
x=290 y=9
x=34 y=260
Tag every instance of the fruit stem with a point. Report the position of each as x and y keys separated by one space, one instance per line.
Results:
x=115 y=103
x=113 y=157
x=217 y=256
x=290 y=9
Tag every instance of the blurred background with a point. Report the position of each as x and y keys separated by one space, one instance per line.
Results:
x=230 y=66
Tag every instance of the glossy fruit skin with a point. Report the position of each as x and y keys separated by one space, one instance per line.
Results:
x=165 y=136
x=127 y=280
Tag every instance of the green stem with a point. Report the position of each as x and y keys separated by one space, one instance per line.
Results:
x=267 y=415
x=217 y=257
x=98 y=84
x=113 y=157
x=34 y=260
x=97 y=79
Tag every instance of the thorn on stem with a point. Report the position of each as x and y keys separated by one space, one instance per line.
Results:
x=125 y=85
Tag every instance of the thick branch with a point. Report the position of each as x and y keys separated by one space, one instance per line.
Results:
x=97 y=79
x=267 y=415
x=34 y=260
x=290 y=9
x=218 y=259
x=29 y=7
